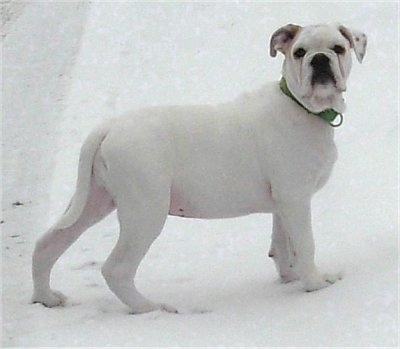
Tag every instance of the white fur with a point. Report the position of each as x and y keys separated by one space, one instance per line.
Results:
x=259 y=153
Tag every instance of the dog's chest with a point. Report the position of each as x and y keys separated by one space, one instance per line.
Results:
x=298 y=153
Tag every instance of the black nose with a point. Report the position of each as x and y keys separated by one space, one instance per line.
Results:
x=322 y=73
x=319 y=61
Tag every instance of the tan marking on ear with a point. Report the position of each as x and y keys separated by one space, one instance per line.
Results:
x=357 y=39
x=282 y=39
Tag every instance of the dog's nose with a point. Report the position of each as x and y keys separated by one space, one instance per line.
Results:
x=322 y=72
x=319 y=60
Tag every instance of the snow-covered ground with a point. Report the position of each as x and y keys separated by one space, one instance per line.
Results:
x=67 y=66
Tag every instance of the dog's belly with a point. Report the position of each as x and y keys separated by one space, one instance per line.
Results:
x=210 y=202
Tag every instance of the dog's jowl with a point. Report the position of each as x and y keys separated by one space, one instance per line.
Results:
x=267 y=151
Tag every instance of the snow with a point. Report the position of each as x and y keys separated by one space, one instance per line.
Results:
x=67 y=66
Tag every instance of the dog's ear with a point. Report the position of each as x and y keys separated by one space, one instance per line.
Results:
x=282 y=38
x=357 y=39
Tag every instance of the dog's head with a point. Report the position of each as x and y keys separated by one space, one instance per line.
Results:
x=318 y=62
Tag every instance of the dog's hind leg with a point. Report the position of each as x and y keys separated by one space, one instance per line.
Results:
x=54 y=243
x=141 y=222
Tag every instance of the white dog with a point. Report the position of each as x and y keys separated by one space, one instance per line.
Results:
x=268 y=151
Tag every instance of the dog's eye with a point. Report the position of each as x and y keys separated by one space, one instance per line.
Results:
x=338 y=49
x=300 y=52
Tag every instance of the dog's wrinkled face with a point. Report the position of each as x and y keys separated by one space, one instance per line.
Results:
x=318 y=62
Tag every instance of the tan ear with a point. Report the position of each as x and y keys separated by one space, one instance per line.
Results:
x=357 y=39
x=282 y=38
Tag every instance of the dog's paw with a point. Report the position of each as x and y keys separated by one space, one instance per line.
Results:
x=289 y=277
x=318 y=281
x=147 y=307
x=51 y=299
x=168 y=308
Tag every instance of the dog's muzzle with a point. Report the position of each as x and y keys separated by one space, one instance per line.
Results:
x=322 y=72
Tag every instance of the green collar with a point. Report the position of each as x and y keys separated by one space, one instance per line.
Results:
x=329 y=115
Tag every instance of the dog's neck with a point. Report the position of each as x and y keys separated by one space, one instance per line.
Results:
x=329 y=115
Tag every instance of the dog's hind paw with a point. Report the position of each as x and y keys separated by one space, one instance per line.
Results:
x=150 y=306
x=168 y=308
x=51 y=299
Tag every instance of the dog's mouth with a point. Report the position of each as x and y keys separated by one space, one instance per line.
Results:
x=323 y=77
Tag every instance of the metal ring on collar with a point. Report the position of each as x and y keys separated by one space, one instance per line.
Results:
x=339 y=123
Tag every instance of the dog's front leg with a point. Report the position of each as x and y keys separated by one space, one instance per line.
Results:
x=296 y=218
x=281 y=251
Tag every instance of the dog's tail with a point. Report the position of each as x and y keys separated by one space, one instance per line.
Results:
x=85 y=173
